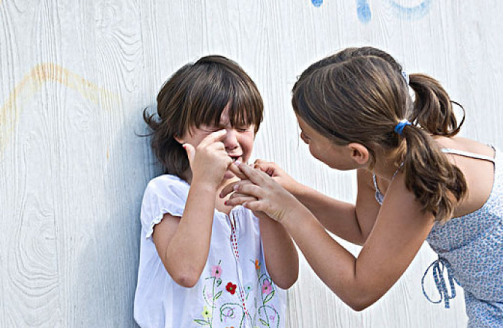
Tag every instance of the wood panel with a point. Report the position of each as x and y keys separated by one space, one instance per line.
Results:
x=75 y=77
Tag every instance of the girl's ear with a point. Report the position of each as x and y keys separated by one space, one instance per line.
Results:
x=178 y=139
x=359 y=153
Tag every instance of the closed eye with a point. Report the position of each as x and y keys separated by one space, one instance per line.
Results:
x=243 y=128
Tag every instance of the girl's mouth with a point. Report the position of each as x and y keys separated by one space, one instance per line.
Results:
x=234 y=158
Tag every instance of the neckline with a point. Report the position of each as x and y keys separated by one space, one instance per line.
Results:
x=378 y=194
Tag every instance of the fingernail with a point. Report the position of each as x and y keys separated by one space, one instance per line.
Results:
x=236 y=187
x=237 y=162
x=225 y=203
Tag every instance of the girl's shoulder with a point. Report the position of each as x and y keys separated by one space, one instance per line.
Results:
x=167 y=180
x=460 y=145
x=166 y=186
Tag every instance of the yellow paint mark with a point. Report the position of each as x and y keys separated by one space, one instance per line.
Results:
x=26 y=90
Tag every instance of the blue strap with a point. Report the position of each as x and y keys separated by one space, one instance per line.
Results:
x=438 y=267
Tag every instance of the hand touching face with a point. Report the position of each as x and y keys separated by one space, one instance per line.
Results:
x=208 y=159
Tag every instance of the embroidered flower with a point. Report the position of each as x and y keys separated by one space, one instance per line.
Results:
x=248 y=288
x=206 y=313
x=231 y=288
x=216 y=271
x=257 y=265
x=266 y=287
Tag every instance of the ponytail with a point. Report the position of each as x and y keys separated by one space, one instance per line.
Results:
x=360 y=94
x=437 y=184
x=432 y=109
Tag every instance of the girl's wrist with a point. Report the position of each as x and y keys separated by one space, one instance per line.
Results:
x=204 y=183
x=298 y=190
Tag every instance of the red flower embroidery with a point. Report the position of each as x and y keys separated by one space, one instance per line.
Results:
x=231 y=288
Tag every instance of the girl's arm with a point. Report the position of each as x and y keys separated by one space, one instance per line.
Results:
x=399 y=231
x=282 y=260
x=183 y=243
x=338 y=217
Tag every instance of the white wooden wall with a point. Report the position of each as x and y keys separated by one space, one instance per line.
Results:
x=76 y=75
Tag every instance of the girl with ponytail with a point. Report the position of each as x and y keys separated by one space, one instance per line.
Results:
x=417 y=181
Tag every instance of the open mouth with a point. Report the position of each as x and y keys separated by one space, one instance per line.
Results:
x=234 y=158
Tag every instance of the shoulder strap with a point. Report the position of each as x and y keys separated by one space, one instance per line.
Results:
x=467 y=154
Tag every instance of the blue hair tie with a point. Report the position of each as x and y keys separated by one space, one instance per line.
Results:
x=406 y=77
x=399 y=127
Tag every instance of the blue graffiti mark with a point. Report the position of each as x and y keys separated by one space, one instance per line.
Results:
x=363 y=11
x=402 y=12
x=411 y=13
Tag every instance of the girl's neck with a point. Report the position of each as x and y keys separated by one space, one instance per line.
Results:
x=387 y=165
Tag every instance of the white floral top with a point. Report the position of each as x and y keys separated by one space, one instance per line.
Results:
x=234 y=289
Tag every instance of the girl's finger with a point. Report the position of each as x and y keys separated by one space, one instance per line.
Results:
x=191 y=151
x=249 y=189
x=255 y=206
x=213 y=137
x=238 y=195
x=234 y=201
x=237 y=172
x=228 y=189
x=255 y=176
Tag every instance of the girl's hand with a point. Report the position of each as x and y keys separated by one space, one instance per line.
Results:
x=243 y=198
x=262 y=195
x=277 y=173
x=209 y=160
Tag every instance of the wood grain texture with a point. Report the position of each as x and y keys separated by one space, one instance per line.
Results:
x=75 y=78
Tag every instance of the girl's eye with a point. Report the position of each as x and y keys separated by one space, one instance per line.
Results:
x=243 y=128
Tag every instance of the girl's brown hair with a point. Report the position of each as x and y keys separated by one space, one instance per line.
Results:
x=360 y=95
x=196 y=95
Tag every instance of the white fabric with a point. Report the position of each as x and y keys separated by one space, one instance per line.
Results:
x=160 y=302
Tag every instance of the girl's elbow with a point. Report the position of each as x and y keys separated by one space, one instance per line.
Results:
x=359 y=302
x=187 y=279
x=358 y=306
x=288 y=282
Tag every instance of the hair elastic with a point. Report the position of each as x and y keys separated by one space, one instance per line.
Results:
x=399 y=127
x=406 y=77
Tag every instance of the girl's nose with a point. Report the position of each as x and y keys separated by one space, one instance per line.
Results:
x=231 y=141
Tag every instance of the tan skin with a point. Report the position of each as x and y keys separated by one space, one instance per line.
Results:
x=391 y=234
x=183 y=243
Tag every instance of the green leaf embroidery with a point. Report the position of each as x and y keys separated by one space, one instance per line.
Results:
x=217 y=295
x=202 y=322
x=269 y=297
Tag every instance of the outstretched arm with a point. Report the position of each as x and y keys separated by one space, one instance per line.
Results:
x=338 y=217
x=398 y=233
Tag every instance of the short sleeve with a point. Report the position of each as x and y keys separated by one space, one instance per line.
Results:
x=164 y=194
